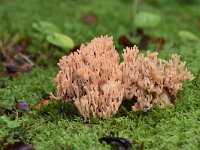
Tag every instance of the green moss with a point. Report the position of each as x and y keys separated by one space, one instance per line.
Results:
x=59 y=126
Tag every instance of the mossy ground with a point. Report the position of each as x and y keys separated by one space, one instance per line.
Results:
x=177 y=127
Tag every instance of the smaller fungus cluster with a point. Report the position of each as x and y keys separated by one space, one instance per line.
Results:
x=95 y=81
x=151 y=80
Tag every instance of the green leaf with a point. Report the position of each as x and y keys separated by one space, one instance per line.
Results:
x=186 y=35
x=5 y=119
x=10 y=123
x=13 y=124
x=147 y=20
x=60 y=40
x=45 y=27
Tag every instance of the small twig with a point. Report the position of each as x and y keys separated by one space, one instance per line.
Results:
x=27 y=59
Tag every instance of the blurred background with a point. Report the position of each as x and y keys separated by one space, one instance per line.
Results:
x=30 y=27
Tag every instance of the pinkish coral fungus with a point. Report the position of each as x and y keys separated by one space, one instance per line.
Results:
x=153 y=81
x=94 y=80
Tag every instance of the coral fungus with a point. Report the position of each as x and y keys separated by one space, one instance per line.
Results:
x=94 y=80
x=153 y=81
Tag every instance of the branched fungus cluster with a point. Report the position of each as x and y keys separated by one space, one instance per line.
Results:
x=95 y=81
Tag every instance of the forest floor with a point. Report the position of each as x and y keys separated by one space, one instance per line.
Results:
x=57 y=126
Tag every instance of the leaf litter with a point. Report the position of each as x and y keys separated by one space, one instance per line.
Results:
x=15 y=55
x=143 y=42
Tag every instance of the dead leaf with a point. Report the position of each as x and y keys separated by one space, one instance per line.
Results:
x=11 y=69
x=22 y=106
x=22 y=45
x=14 y=52
x=42 y=104
x=144 y=40
x=18 y=146
x=89 y=19
x=125 y=41
x=116 y=142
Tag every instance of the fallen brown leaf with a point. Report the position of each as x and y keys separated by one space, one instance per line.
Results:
x=22 y=106
x=18 y=146
x=42 y=104
x=145 y=40
x=14 y=53
x=125 y=41
x=89 y=19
